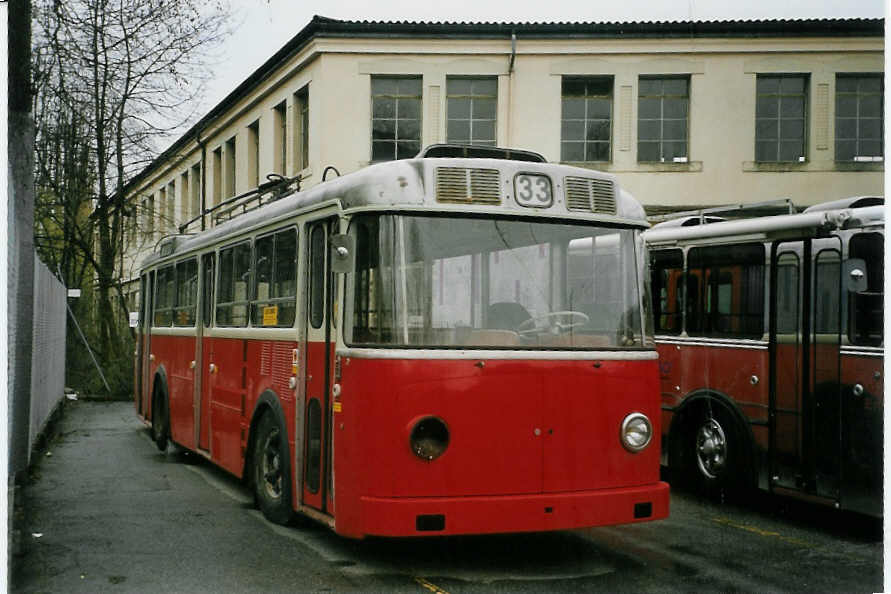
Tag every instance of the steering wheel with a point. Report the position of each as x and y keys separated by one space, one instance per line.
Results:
x=555 y=322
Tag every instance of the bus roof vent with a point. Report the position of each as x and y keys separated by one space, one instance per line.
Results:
x=467 y=185
x=591 y=194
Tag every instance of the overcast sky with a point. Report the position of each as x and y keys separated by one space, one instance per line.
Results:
x=264 y=26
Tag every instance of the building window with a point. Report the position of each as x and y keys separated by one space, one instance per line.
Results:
x=132 y=227
x=184 y=214
x=171 y=206
x=229 y=169
x=161 y=212
x=858 y=117
x=195 y=189
x=395 y=117
x=217 y=175
x=780 y=112
x=471 y=107
x=662 y=107
x=253 y=133
x=586 y=121
x=148 y=217
x=301 y=128
x=280 y=137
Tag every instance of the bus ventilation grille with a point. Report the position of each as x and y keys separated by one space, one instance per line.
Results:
x=467 y=185
x=594 y=195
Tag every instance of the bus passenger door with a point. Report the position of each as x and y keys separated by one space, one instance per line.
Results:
x=139 y=392
x=147 y=305
x=319 y=353
x=804 y=347
x=825 y=385
x=861 y=379
x=204 y=352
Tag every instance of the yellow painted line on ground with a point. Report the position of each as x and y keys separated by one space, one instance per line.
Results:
x=432 y=587
x=762 y=532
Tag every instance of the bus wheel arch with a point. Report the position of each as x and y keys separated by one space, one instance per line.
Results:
x=267 y=463
x=160 y=430
x=711 y=444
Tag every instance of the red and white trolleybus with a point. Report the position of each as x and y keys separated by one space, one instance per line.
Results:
x=439 y=345
x=770 y=338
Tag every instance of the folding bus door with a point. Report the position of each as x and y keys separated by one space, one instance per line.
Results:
x=805 y=437
x=204 y=352
x=317 y=463
x=862 y=382
x=138 y=388
x=145 y=362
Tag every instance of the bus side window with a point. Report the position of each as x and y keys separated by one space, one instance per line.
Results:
x=826 y=288
x=186 y=292
x=275 y=279
x=232 y=295
x=667 y=271
x=865 y=309
x=317 y=276
x=731 y=281
x=788 y=312
x=165 y=299
x=207 y=291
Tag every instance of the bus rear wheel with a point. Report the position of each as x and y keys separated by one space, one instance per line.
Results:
x=271 y=471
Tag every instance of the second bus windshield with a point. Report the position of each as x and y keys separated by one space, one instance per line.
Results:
x=424 y=281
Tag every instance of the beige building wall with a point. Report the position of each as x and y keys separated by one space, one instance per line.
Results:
x=337 y=72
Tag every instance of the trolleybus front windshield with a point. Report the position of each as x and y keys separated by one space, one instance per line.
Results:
x=462 y=282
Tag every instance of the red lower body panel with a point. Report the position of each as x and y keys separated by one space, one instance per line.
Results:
x=515 y=513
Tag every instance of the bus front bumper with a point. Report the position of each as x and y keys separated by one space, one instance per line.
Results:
x=431 y=516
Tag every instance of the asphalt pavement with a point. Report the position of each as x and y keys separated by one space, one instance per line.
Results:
x=105 y=511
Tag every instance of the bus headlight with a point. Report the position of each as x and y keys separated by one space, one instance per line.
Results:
x=429 y=438
x=637 y=431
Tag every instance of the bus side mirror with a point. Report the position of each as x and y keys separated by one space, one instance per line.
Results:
x=855 y=275
x=343 y=253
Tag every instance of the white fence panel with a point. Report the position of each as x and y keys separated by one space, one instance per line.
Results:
x=48 y=355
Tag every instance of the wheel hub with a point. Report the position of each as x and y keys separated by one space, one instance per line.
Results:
x=711 y=449
x=271 y=467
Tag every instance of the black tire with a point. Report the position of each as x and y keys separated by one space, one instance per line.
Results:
x=711 y=452
x=271 y=471
x=160 y=419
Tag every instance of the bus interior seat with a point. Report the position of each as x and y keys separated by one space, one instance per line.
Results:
x=506 y=315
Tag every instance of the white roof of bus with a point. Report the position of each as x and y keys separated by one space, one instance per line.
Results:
x=409 y=185
x=770 y=226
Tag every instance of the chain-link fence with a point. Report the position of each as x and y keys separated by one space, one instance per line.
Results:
x=48 y=354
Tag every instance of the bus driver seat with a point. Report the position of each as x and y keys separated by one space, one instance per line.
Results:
x=506 y=315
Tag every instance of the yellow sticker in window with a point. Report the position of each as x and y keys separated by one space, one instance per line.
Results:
x=270 y=315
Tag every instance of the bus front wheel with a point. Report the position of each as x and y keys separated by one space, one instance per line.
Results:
x=160 y=419
x=711 y=450
x=271 y=471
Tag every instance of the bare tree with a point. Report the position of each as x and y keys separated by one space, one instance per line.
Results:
x=113 y=80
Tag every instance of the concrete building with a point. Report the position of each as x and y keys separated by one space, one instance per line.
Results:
x=686 y=114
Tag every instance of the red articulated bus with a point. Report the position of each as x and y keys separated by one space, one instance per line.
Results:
x=770 y=339
x=439 y=345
